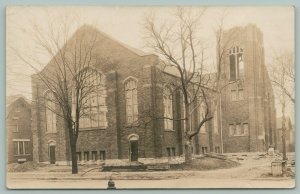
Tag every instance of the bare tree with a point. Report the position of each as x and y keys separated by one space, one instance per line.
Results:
x=283 y=80
x=283 y=74
x=70 y=76
x=178 y=43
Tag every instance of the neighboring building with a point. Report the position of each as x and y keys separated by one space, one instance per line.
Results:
x=18 y=128
x=248 y=108
x=128 y=87
x=289 y=137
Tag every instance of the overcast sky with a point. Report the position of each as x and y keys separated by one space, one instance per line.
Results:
x=125 y=25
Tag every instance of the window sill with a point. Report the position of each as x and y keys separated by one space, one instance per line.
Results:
x=92 y=128
x=239 y=135
x=22 y=155
x=130 y=125
x=47 y=132
x=169 y=130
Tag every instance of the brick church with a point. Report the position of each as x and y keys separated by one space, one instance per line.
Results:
x=247 y=102
x=129 y=86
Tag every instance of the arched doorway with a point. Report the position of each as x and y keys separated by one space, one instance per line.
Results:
x=133 y=147
x=52 y=145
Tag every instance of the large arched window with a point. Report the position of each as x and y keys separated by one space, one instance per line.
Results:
x=94 y=110
x=131 y=100
x=201 y=113
x=168 y=109
x=50 y=112
x=215 y=119
x=236 y=63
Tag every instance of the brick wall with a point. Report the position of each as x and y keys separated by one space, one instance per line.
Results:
x=117 y=63
x=256 y=84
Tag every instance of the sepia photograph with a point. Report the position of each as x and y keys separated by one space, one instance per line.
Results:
x=150 y=97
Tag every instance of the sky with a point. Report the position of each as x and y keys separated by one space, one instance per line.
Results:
x=125 y=25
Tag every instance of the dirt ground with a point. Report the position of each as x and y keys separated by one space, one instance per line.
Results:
x=253 y=168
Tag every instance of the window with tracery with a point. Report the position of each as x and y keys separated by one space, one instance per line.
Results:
x=93 y=114
x=131 y=100
x=50 y=112
x=201 y=113
x=236 y=62
x=168 y=109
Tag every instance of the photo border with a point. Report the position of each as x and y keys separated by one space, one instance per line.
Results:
x=4 y=3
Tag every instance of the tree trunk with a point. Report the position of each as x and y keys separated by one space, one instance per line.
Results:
x=74 y=157
x=283 y=144
x=283 y=132
x=188 y=152
x=188 y=142
x=284 y=158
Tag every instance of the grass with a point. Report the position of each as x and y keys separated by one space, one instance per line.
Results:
x=206 y=163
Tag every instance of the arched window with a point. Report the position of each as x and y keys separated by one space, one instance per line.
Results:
x=94 y=110
x=201 y=113
x=216 y=127
x=168 y=109
x=50 y=112
x=236 y=60
x=131 y=100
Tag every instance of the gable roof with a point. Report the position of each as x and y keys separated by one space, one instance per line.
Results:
x=11 y=99
x=132 y=49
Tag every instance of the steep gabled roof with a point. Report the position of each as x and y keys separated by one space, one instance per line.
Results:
x=92 y=28
x=11 y=99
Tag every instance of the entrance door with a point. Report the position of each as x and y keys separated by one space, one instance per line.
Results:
x=52 y=154
x=133 y=150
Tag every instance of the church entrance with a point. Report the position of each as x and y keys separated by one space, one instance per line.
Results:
x=133 y=147
x=134 y=151
x=52 y=154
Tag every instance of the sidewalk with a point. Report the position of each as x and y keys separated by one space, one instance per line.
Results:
x=252 y=173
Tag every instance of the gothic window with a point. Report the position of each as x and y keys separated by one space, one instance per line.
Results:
x=216 y=130
x=201 y=113
x=240 y=63
x=168 y=109
x=131 y=100
x=236 y=63
x=50 y=112
x=93 y=114
x=232 y=67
